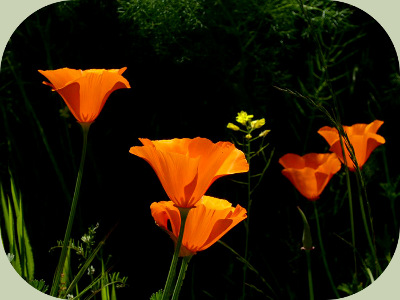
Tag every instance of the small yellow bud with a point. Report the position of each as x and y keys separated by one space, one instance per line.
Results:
x=257 y=123
x=248 y=136
x=233 y=127
x=264 y=133
x=243 y=117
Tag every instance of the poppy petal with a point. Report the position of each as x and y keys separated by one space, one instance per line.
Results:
x=304 y=181
x=175 y=171
x=85 y=92
x=310 y=173
x=60 y=77
x=215 y=161
x=187 y=167
x=205 y=224
x=362 y=137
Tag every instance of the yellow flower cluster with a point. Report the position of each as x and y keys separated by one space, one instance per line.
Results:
x=243 y=117
x=247 y=120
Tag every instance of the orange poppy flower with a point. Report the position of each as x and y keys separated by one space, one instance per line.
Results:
x=363 y=138
x=85 y=92
x=187 y=167
x=310 y=173
x=205 y=224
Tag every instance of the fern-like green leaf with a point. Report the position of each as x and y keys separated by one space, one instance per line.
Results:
x=157 y=296
x=40 y=285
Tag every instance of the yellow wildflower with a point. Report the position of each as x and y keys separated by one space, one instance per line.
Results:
x=243 y=117
x=257 y=123
x=233 y=127
x=264 y=133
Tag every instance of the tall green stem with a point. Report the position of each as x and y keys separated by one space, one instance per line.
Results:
x=247 y=221
x=391 y=195
x=310 y=280
x=321 y=245
x=367 y=232
x=350 y=195
x=353 y=236
x=57 y=275
x=181 y=276
x=172 y=269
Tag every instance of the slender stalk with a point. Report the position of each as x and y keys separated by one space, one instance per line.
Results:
x=353 y=236
x=246 y=249
x=57 y=275
x=181 y=277
x=391 y=197
x=350 y=196
x=172 y=269
x=310 y=280
x=321 y=245
x=367 y=232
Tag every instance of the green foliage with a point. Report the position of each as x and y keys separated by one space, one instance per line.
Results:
x=105 y=283
x=166 y=22
x=39 y=285
x=157 y=295
x=19 y=246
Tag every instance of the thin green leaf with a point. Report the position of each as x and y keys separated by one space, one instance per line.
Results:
x=104 y=281
x=240 y=258
x=93 y=283
x=113 y=293
x=30 y=263
x=6 y=213
x=11 y=235
x=88 y=262
x=20 y=231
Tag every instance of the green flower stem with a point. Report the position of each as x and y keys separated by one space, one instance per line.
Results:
x=172 y=269
x=321 y=245
x=367 y=232
x=57 y=275
x=247 y=221
x=181 y=277
x=350 y=196
x=310 y=280
x=353 y=236
x=392 y=197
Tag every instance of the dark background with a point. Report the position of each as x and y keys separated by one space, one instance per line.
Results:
x=192 y=66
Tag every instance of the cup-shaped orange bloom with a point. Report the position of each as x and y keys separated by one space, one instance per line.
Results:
x=187 y=167
x=310 y=173
x=205 y=224
x=363 y=138
x=85 y=92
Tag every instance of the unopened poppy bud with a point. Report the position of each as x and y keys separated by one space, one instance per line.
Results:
x=233 y=127
x=307 y=240
x=257 y=123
